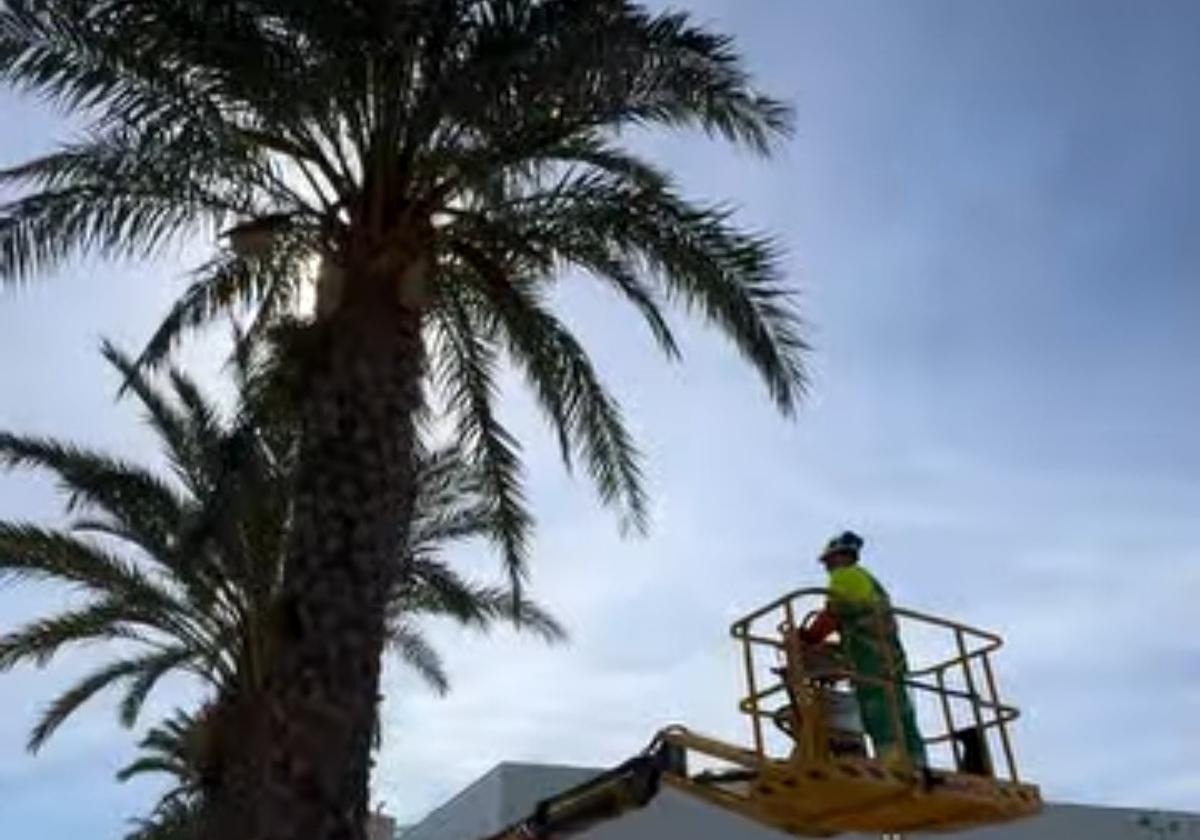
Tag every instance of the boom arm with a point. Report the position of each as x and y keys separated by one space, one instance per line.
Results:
x=615 y=792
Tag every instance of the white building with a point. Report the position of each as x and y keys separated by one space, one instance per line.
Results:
x=510 y=791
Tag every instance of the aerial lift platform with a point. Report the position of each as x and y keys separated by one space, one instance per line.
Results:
x=811 y=770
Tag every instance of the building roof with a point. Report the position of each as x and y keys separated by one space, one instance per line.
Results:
x=498 y=798
x=510 y=791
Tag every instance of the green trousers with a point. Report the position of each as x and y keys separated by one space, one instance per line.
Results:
x=875 y=652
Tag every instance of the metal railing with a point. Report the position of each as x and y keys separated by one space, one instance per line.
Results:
x=778 y=692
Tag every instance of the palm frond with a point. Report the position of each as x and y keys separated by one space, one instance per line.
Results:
x=40 y=640
x=161 y=414
x=430 y=587
x=113 y=217
x=151 y=764
x=70 y=700
x=29 y=552
x=466 y=376
x=451 y=504
x=536 y=74
x=169 y=659
x=204 y=416
x=206 y=433
x=166 y=748
x=695 y=254
x=93 y=56
x=32 y=552
x=558 y=370
x=170 y=749
x=437 y=529
x=414 y=650
x=444 y=479
x=175 y=818
x=498 y=604
x=147 y=508
x=231 y=283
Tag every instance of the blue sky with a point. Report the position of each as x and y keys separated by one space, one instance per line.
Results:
x=992 y=215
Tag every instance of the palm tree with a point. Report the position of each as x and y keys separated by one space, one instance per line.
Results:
x=173 y=748
x=185 y=569
x=175 y=820
x=434 y=167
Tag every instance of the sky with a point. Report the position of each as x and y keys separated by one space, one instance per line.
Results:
x=991 y=215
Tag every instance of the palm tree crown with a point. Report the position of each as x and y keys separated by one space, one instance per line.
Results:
x=465 y=149
x=185 y=568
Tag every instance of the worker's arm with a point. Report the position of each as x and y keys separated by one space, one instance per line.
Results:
x=822 y=626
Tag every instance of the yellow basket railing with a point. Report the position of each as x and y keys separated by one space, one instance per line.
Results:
x=969 y=660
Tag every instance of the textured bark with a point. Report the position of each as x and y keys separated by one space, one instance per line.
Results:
x=298 y=767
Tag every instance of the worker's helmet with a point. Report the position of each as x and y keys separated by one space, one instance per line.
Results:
x=846 y=542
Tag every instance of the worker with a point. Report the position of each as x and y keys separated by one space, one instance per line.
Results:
x=859 y=611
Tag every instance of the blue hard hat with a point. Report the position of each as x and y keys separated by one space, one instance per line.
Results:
x=846 y=542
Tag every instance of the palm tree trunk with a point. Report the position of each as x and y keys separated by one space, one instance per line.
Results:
x=298 y=764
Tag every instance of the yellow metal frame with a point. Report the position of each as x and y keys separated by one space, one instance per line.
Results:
x=813 y=792
x=974 y=647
